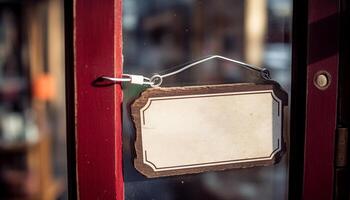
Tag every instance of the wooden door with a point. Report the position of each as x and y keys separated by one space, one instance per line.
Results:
x=321 y=102
x=93 y=48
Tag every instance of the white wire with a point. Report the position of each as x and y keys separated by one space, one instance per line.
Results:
x=157 y=79
x=210 y=58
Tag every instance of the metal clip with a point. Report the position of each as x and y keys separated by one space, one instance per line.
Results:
x=133 y=79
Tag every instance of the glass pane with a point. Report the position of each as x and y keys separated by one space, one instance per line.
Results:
x=160 y=35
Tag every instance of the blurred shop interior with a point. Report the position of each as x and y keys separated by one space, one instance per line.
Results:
x=159 y=36
x=32 y=100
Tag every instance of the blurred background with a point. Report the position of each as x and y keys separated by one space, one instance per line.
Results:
x=32 y=100
x=159 y=36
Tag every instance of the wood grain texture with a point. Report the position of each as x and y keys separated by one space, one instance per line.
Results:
x=97 y=46
x=211 y=89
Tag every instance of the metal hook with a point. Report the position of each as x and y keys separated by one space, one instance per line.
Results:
x=134 y=79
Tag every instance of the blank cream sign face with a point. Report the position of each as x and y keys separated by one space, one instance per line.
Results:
x=189 y=133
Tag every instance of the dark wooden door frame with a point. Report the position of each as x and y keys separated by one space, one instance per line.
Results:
x=70 y=99
x=313 y=115
x=298 y=98
x=342 y=180
x=321 y=104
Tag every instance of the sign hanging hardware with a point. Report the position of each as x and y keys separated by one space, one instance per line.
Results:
x=195 y=129
x=157 y=79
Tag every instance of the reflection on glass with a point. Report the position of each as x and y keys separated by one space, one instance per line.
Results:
x=160 y=35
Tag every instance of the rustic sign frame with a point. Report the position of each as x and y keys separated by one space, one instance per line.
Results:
x=141 y=102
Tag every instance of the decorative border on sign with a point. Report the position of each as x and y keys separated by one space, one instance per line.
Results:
x=211 y=163
x=141 y=104
x=150 y=100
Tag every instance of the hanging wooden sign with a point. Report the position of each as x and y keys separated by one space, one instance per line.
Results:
x=183 y=130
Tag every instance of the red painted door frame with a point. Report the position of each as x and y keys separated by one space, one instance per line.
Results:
x=321 y=107
x=95 y=128
x=97 y=40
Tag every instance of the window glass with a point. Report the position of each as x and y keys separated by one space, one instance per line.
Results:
x=160 y=35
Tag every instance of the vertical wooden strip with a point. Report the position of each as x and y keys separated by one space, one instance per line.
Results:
x=321 y=104
x=118 y=63
x=70 y=98
x=97 y=40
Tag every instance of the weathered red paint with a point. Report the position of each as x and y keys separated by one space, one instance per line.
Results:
x=98 y=46
x=321 y=104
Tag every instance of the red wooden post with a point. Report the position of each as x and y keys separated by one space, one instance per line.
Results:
x=97 y=50
x=321 y=104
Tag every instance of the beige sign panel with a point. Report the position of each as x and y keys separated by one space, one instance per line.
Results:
x=195 y=129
